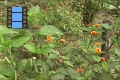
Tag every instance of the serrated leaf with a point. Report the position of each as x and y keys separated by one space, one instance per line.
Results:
x=49 y=30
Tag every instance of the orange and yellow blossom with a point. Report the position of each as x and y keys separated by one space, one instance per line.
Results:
x=98 y=50
x=97 y=43
x=96 y=25
x=94 y=33
x=62 y=40
x=48 y=39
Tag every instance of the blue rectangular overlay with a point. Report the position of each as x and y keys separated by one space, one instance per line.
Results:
x=16 y=9
x=17 y=17
x=16 y=24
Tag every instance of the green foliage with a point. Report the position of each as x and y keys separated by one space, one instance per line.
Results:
x=26 y=54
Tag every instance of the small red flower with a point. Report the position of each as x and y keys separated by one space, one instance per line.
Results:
x=103 y=58
x=80 y=70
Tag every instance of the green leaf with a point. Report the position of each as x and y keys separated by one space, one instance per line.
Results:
x=105 y=66
x=106 y=26
x=62 y=70
x=6 y=43
x=34 y=10
x=58 y=76
x=31 y=47
x=117 y=51
x=28 y=64
x=44 y=50
x=69 y=63
x=5 y=71
x=82 y=42
x=5 y=30
x=97 y=68
x=19 y=40
x=2 y=77
x=88 y=73
x=65 y=58
x=81 y=78
x=113 y=64
x=49 y=30
x=73 y=73
x=97 y=58
x=21 y=65
x=53 y=56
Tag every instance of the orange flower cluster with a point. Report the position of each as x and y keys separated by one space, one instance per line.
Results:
x=62 y=40
x=48 y=39
x=96 y=25
x=103 y=58
x=98 y=50
x=94 y=33
x=80 y=70
x=97 y=43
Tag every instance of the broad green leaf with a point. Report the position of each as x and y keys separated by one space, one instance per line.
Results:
x=105 y=66
x=49 y=30
x=5 y=30
x=19 y=40
x=97 y=58
x=2 y=77
x=31 y=47
x=21 y=65
x=69 y=63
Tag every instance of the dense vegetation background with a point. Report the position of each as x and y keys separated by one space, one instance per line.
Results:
x=66 y=40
